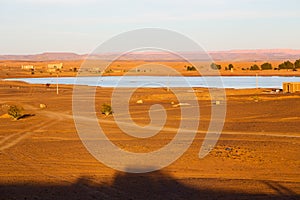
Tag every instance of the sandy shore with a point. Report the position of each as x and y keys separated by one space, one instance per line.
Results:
x=256 y=157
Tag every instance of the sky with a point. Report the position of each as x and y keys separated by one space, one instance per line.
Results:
x=79 y=26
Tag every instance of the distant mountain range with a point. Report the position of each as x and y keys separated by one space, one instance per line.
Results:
x=231 y=55
x=44 y=57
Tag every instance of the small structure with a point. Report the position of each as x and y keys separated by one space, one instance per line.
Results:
x=27 y=67
x=291 y=87
x=54 y=67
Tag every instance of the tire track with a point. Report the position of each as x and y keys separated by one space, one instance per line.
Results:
x=16 y=138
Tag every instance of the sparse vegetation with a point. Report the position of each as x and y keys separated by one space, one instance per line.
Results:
x=215 y=66
x=15 y=112
x=256 y=98
x=109 y=71
x=106 y=109
x=286 y=65
x=230 y=66
x=254 y=67
x=190 y=68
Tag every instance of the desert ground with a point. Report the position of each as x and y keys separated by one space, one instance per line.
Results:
x=256 y=157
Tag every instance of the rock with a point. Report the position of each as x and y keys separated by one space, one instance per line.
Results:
x=42 y=106
x=139 y=101
x=228 y=149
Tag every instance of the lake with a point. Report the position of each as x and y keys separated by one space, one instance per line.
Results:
x=238 y=82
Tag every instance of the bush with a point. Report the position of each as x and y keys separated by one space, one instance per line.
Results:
x=191 y=68
x=286 y=65
x=215 y=66
x=254 y=67
x=106 y=109
x=15 y=112
x=230 y=66
x=266 y=66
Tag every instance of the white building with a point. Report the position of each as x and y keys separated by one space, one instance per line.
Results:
x=27 y=67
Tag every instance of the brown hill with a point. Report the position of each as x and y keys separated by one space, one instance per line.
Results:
x=231 y=55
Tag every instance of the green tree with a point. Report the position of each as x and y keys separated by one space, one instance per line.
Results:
x=286 y=65
x=266 y=66
x=254 y=67
x=215 y=66
x=297 y=64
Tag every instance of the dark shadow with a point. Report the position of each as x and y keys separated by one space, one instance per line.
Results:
x=280 y=189
x=26 y=116
x=147 y=186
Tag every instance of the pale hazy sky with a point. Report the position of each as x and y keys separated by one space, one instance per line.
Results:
x=35 y=26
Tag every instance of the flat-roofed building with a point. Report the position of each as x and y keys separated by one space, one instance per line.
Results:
x=27 y=67
x=291 y=87
x=54 y=67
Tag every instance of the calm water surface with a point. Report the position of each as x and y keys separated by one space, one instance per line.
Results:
x=238 y=82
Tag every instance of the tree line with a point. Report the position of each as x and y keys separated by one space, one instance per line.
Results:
x=265 y=66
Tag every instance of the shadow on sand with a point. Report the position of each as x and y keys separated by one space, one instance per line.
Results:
x=145 y=186
x=26 y=116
